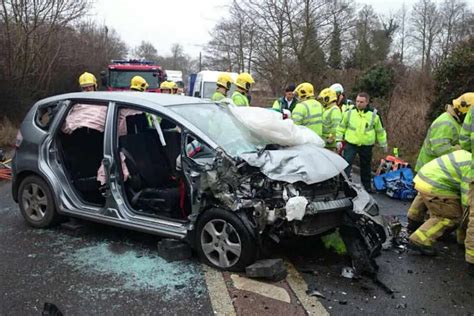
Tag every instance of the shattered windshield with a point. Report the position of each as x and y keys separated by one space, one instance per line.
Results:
x=222 y=127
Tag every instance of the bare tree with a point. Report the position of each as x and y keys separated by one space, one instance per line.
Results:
x=146 y=51
x=453 y=15
x=30 y=29
x=426 y=28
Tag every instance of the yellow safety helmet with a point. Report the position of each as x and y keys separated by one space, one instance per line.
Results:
x=87 y=79
x=174 y=87
x=225 y=80
x=244 y=81
x=304 y=91
x=328 y=96
x=464 y=102
x=138 y=83
x=167 y=85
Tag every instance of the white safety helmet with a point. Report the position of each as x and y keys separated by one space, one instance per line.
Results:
x=338 y=88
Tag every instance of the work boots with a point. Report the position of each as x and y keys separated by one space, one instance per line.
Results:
x=470 y=269
x=423 y=250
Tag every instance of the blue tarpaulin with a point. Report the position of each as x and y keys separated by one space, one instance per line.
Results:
x=396 y=184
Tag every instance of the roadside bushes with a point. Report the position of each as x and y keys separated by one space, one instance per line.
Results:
x=453 y=77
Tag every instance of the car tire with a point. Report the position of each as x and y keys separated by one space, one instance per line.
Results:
x=37 y=203
x=220 y=234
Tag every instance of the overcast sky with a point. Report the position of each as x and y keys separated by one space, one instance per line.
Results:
x=187 y=22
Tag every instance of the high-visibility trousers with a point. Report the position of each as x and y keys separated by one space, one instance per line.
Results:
x=445 y=215
x=469 y=241
x=417 y=211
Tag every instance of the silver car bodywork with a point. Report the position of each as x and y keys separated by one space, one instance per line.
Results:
x=226 y=181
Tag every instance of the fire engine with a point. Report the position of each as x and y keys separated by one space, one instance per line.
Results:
x=120 y=72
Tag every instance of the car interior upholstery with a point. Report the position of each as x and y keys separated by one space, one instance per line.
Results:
x=154 y=184
x=82 y=153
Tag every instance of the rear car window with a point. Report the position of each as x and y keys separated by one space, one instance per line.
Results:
x=45 y=115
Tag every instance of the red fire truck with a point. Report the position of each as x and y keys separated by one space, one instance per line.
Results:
x=120 y=72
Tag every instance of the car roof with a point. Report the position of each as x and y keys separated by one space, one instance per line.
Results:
x=148 y=99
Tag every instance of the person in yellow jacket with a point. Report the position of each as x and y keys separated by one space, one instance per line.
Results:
x=331 y=116
x=286 y=102
x=466 y=140
x=166 y=87
x=360 y=128
x=88 y=82
x=443 y=184
x=224 y=82
x=466 y=101
x=138 y=83
x=442 y=138
x=342 y=102
x=308 y=112
x=243 y=83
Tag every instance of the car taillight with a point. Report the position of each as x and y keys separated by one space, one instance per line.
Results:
x=19 y=140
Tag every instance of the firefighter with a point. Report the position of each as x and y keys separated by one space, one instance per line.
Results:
x=466 y=140
x=243 y=83
x=331 y=116
x=88 y=82
x=466 y=101
x=443 y=185
x=166 y=87
x=469 y=239
x=342 y=102
x=308 y=112
x=442 y=138
x=360 y=128
x=224 y=82
x=138 y=83
x=286 y=102
x=174 y=87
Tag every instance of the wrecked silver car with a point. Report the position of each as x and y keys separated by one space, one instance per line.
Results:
x=188 y=169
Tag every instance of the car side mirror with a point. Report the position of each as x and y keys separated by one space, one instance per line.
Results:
x=103 y=78
x=197 y=94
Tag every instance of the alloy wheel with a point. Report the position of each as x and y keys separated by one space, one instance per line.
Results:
x=221 y=243
x=35 y=202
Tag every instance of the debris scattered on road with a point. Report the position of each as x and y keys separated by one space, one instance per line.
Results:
x=402 y=306
x=382 y=285
x=316 y=293
x=72 y=225
x=348 y=272
x=50 y=309
x=271 y=269
x=173 y=250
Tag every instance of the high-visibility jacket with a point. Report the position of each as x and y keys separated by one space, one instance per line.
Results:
x=281 y=104
x=309 y=113
x=442 y=137
x=240 y=99
x=217 y=96
x=346 y=107
x=466 y=134
x=447 y=175
x=332 y=116
x=361 y=127
x=466 y=137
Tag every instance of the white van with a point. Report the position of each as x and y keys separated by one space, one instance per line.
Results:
x=205 y=84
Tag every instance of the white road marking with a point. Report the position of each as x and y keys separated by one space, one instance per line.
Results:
x=218 y=293
x=310 y=303
x=261 y=288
